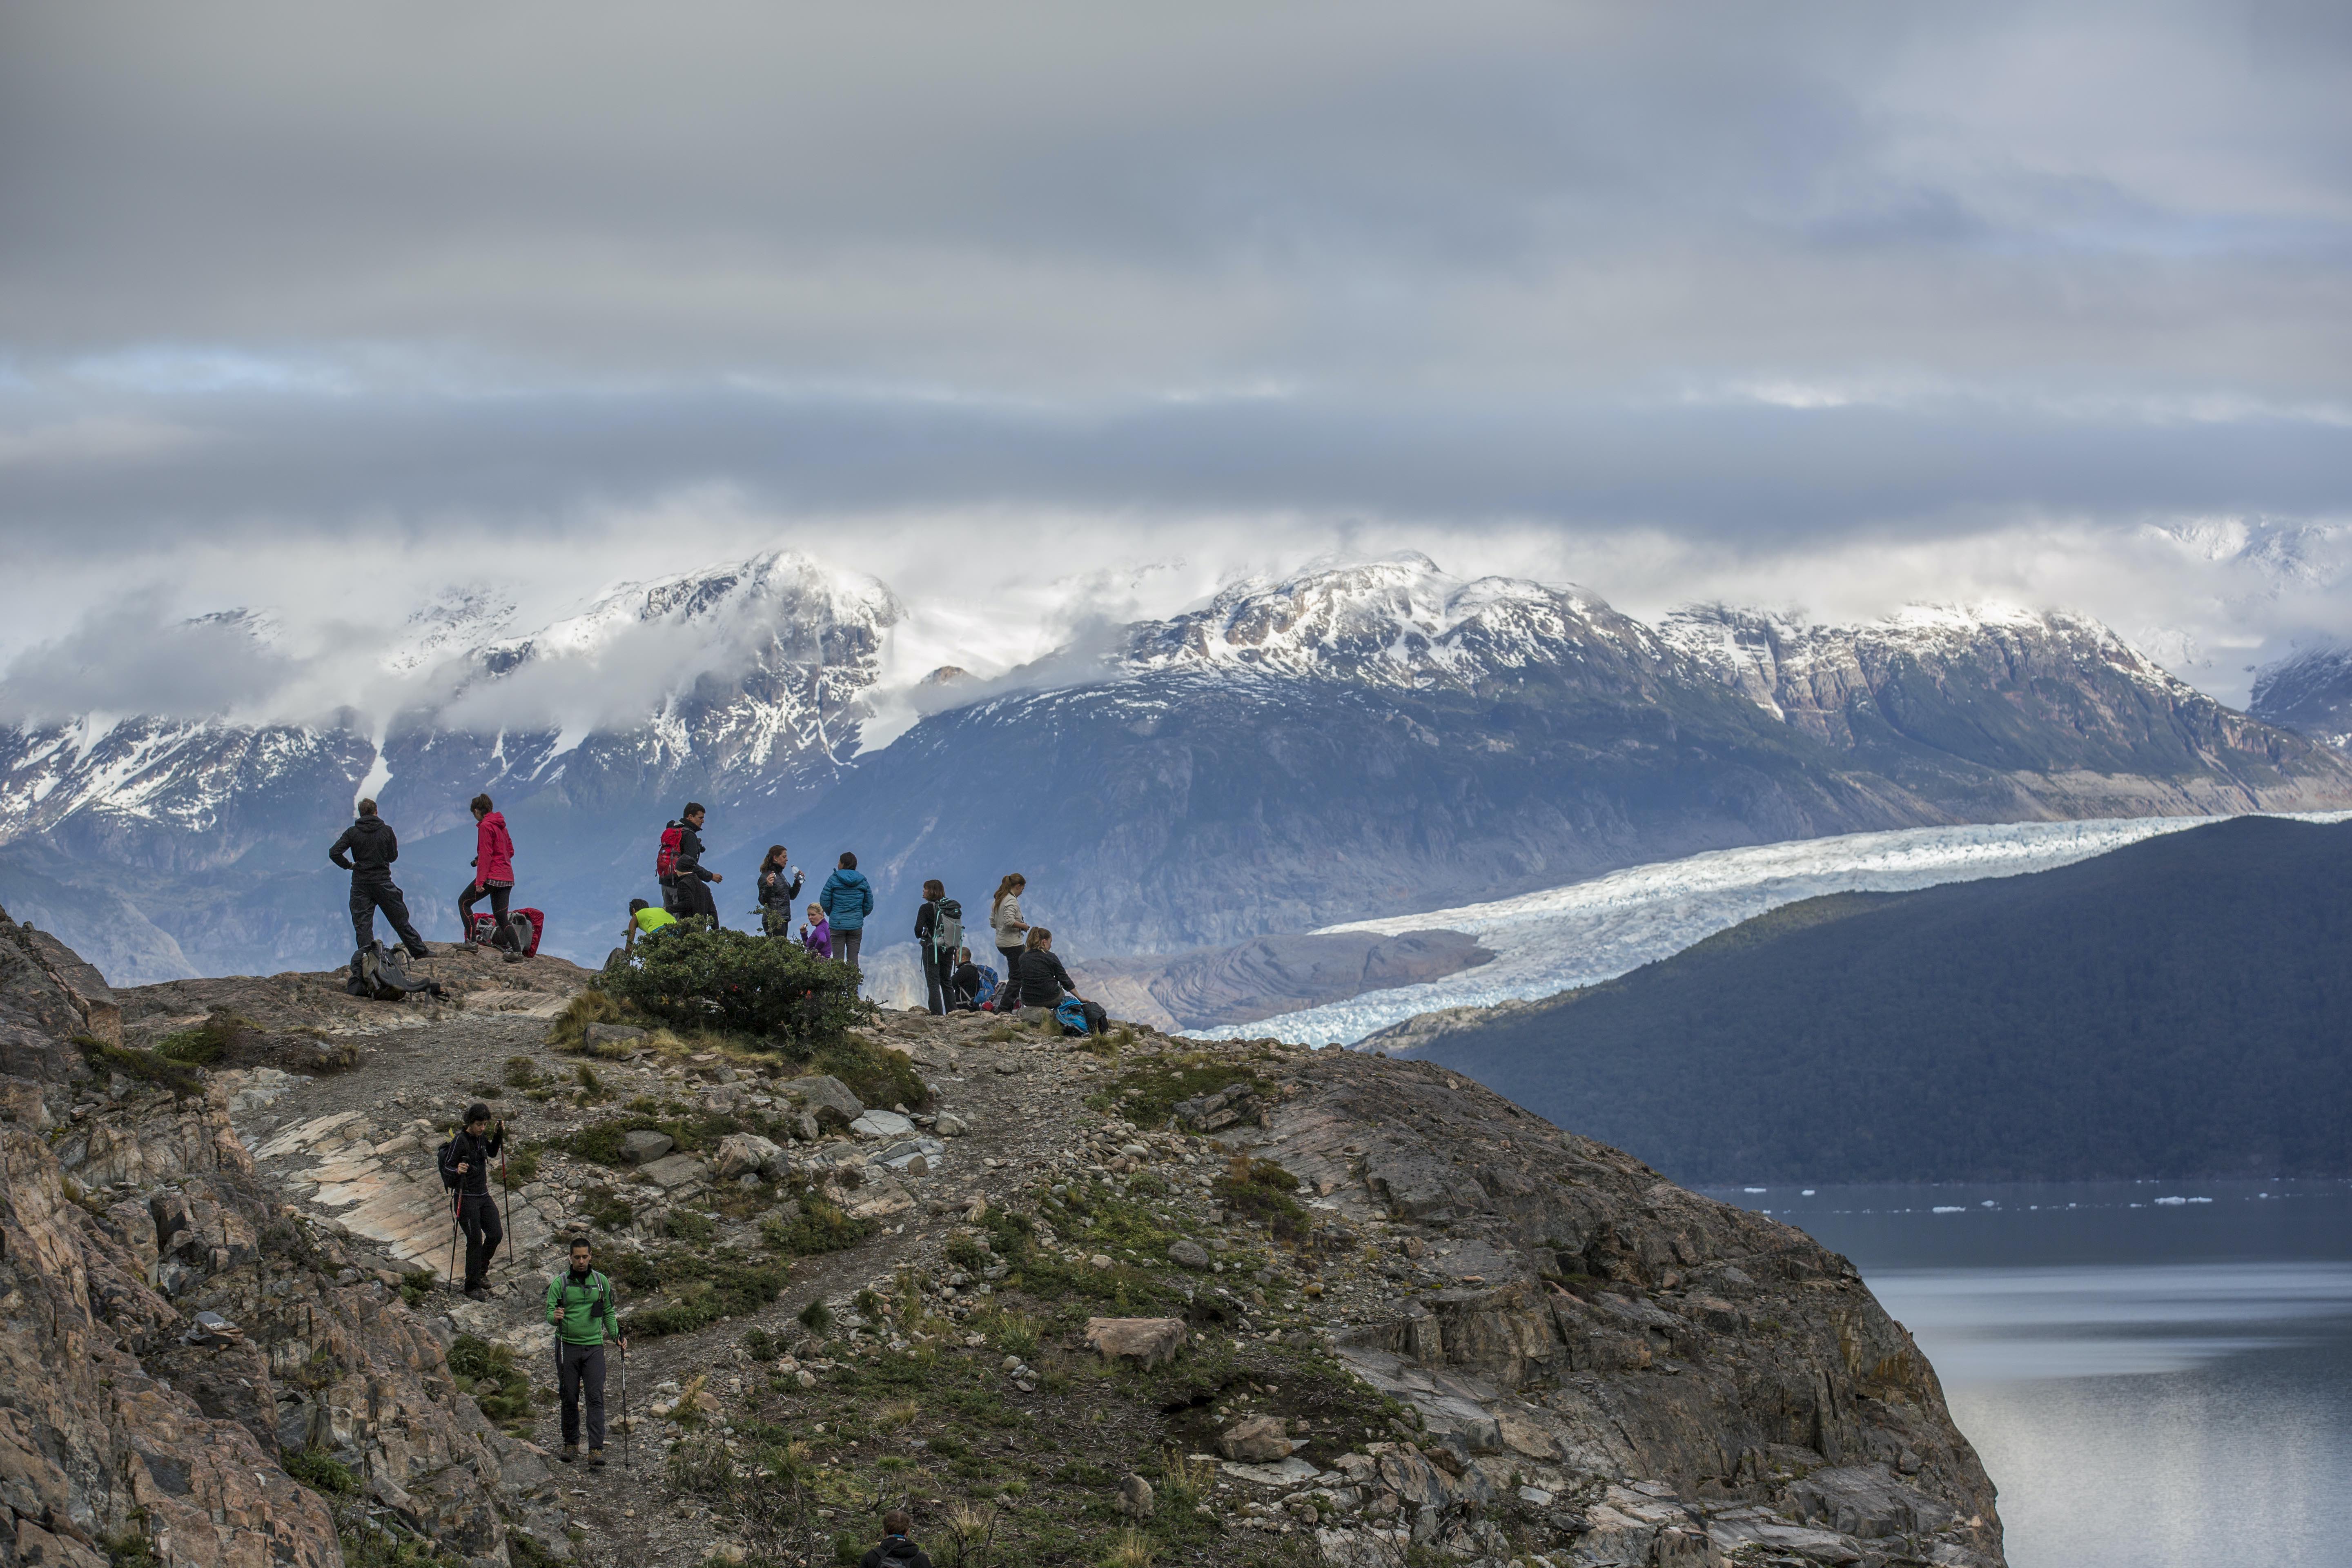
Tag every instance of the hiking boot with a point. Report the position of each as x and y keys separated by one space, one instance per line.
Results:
x=595 y=1458
x=477 y=1293
x=420 y=950
x=571 y=1454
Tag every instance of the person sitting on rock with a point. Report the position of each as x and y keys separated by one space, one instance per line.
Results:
x=973 y=982
x=896 y=1549
x=579 y=1305
x=644 y=920
x=1040 y=980
x=466 y=1162
x=817 y=936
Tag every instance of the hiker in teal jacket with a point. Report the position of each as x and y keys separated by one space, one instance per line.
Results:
x=846 y=901
x=579 y=1305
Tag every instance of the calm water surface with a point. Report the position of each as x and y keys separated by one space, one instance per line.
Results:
x=2155 y=1375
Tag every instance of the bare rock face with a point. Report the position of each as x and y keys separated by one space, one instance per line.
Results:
x=1560 y=1302
x=170 y=1335
x=1259 y=1439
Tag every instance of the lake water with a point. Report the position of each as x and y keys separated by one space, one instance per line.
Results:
x=2155 y=1375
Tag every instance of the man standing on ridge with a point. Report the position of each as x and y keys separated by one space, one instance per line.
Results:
x=367 y=849
x=846 y=901
x=579 y=1305
x=466 y=1162
x=693 y=897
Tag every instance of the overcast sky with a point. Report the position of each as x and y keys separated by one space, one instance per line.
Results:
x=321 y=308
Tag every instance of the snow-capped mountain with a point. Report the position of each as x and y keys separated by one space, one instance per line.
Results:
x=2309 y=691
x=743 y=681
x=1345 y=743
x=1384 y=739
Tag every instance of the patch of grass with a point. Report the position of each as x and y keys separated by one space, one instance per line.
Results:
x=522 y=1161
x=1261 y=1190
x=685 y=1224
x=1147 y=1092
x=606 y=1209
x=703 y=1288
x=130 y=1549
x=523 y=1073
x=877 y=1077
x=816 y=1317
x=569 y=1029
x=489 y=1373
x=208 y=1041
x=417 y=1284
x=819 y=1227
x=322 y=1474
x=691 y=1130
x=964 y=1252
x=185 y=1082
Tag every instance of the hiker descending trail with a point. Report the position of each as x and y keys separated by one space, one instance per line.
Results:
x=579 y=1305
x=466 y=1162
x=367 y=849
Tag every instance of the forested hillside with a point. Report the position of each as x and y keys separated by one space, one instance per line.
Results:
x=2179 y=1007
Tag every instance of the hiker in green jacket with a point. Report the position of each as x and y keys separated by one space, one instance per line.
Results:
x=579 y=1305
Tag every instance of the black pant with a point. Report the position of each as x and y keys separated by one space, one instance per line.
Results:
x=694 y=899
x=369 y=897
x=479 y=1217
x=845 y=945
x=1008 y=992
x=579 y=1367
x=939 y=982
x=498 y=893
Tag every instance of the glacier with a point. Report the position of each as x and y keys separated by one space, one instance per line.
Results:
x=1585 y=933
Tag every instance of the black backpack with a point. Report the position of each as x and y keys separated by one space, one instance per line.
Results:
x=947 y=927
x=377 y=972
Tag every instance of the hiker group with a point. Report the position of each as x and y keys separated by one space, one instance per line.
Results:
x=367 y=849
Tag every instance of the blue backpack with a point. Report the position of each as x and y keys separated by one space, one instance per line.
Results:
x=987 y=985
x=1072 y=1015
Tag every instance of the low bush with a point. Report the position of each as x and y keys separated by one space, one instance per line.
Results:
x=207 y=1042
x=735 y=982
x=1261 y=1190
x=320 y=1473
x=143 y=1067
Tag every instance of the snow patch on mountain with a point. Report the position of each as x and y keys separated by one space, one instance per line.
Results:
x=1586 y=933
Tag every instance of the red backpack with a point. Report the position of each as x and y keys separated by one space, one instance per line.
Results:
x=666 y=861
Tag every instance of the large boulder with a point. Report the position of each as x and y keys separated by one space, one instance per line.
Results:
x=1255 y=1440
x=644 y=1146
x=829 y=1099
x=1147 y=1341
x=747 y=1154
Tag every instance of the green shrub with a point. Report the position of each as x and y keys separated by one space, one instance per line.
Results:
x=606 y=1209
x=522 y=1073
x=489 y=1373
x=719 y=1289
x=820 y=1227
x=685 y=1224
x=143 y=1067
x=964 y=1252
x=1261 y=1189
x=816 y=1317
x=417 y=1284
x=874 y=1075
x=320 y=1473
x=735 y=982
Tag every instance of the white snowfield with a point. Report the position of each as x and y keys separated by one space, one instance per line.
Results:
x=1586 y=932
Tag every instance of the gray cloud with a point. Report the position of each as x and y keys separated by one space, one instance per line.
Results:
x=1808 y=283
x=133 y=657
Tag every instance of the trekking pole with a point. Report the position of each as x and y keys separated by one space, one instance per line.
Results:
x=457 y=1197
x=506 y=1193
x=624 y=1405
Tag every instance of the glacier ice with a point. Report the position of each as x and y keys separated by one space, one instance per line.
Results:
x=1586 y=932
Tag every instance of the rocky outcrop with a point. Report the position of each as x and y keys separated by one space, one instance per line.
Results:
x=169 y=1337
x=1559 y=1305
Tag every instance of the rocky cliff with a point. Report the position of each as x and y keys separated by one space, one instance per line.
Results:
x=176 y=1345
x=1065 y=1297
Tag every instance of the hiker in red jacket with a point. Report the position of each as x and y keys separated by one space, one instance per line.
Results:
x=493 y=875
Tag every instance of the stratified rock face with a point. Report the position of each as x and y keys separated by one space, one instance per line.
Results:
x=1561 y=1304
x=167 y=1334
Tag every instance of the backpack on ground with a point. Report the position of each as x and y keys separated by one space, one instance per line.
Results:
x=523 y=927
x=1071 y=1013
x=673 y=840
x=947 y=927
x=983 y=992
x=377 y=972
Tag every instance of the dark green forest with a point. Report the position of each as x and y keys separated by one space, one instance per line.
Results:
x=2180 y=1007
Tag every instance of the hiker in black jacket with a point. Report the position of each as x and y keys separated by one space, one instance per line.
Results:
x=466 y=1162
x=938 y=961
x=1041 y=979
x=693 y=897
x=367 y=849
x=895 y=1551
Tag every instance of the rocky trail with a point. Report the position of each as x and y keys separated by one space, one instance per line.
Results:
x=1125 y=1302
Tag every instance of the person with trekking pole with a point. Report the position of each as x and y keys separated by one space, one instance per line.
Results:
x=579 y=1305
x=465 y=1170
